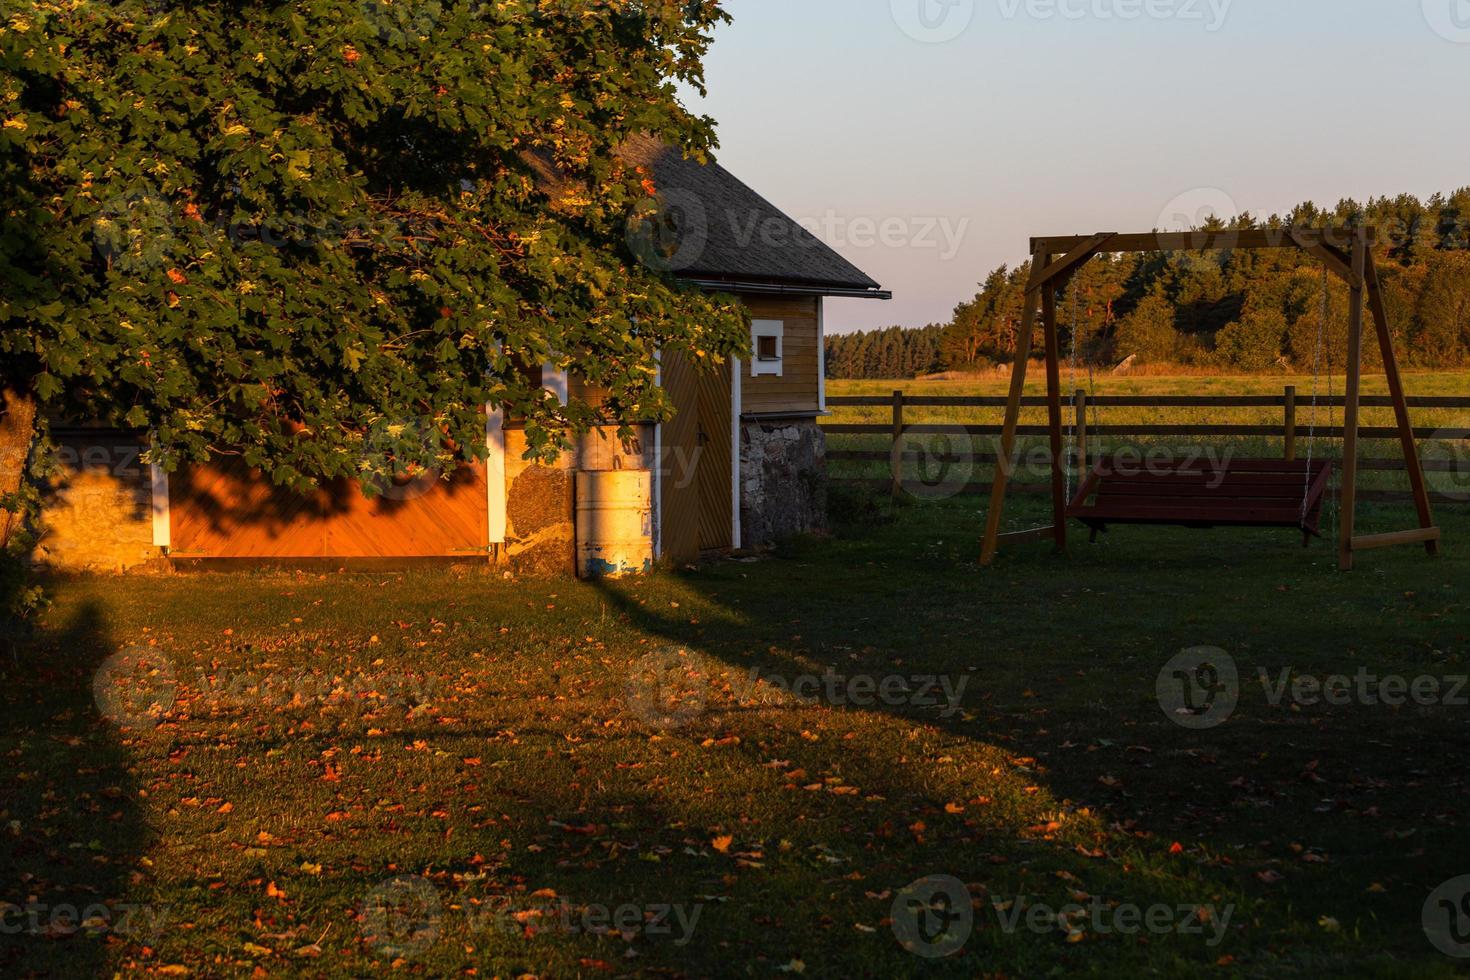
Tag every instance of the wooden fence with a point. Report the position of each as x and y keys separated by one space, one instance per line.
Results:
x=1083 y=428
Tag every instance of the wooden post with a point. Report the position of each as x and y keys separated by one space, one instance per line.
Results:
x=1348 y=523
x=1290 y=423
x=996 y=513
x=1081 y=399
x=897 y=454
x=1054 y=412
x=1409 y=444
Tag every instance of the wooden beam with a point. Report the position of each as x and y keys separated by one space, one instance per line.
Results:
x=1423 y=535
x=996 y=514
x=1407 y=442
x=1348 y=522
x=1064 y=266
x=1202 y=241
x=1054 y=414
x=1336 y=261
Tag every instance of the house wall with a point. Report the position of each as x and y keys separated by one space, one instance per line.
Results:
x=783 y=480
x=797 y=389
x=99 y=516
x=783 y=453
x=97 y=511
x=541 y=531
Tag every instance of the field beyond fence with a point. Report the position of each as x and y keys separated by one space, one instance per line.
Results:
x=933 y=439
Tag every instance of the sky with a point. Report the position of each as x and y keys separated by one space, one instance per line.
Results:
x=928 y=140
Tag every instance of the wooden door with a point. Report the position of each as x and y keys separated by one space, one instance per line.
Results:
x=696 y=468
x=713 y=471
x=228 y=510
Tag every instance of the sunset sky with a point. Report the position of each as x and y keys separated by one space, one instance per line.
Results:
x=927 y=140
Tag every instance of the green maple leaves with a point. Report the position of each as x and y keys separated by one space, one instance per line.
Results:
x=265 y=228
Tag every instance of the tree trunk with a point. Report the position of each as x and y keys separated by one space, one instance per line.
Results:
x=17 y=432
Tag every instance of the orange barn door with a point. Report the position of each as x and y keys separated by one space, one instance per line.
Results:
x=227 y=510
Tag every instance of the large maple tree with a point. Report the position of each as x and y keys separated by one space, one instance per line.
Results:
x=291 y=229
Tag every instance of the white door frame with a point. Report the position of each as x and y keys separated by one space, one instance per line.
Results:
x=735 y=408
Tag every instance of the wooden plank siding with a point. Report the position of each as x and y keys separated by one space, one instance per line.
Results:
x=228 y=510
x=696 y=468
x=797 y=389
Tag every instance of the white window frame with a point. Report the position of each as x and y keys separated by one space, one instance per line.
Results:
x=767 y=328
x=556 y=381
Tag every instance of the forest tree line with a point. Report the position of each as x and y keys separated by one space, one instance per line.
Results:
x=1242 y=310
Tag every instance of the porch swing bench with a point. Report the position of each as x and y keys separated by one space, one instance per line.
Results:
x=1203 y=493
x=1243 y=493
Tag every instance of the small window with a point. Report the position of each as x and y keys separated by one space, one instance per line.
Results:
x=766 y=340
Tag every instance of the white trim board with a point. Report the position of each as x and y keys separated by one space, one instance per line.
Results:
x=735 y=407
x=658 y=467
x=495 y=491
x=821 y=358
x=163 y=527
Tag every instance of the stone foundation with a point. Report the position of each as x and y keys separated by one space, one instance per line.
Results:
x=783 y=480
x=97 y=514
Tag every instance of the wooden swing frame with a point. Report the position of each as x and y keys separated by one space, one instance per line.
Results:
x=1346 y=252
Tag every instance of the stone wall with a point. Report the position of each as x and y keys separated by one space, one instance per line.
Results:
x=97 y=513
x=783 y=480
x=540 y=536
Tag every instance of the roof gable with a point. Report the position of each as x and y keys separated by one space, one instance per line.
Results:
x=729 y=232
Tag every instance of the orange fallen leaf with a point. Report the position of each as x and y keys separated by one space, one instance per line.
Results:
x=722 y=843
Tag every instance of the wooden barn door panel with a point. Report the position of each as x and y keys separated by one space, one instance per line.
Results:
x=697 y=467
x=714 y=466
x=227 y=510
x=679 y=534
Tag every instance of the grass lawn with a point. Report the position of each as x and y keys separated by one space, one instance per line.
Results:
x=452 y=774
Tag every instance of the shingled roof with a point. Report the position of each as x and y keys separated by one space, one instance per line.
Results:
x=731 y=235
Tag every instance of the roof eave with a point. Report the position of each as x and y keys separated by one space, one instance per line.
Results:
x=768 y=288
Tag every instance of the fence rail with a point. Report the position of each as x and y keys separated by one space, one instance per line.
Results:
x=1148 y=401
x=1081 y=405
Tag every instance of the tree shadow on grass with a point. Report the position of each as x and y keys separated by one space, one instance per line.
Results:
x=1292 y=815
x=71 y=834
x=991 y=818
